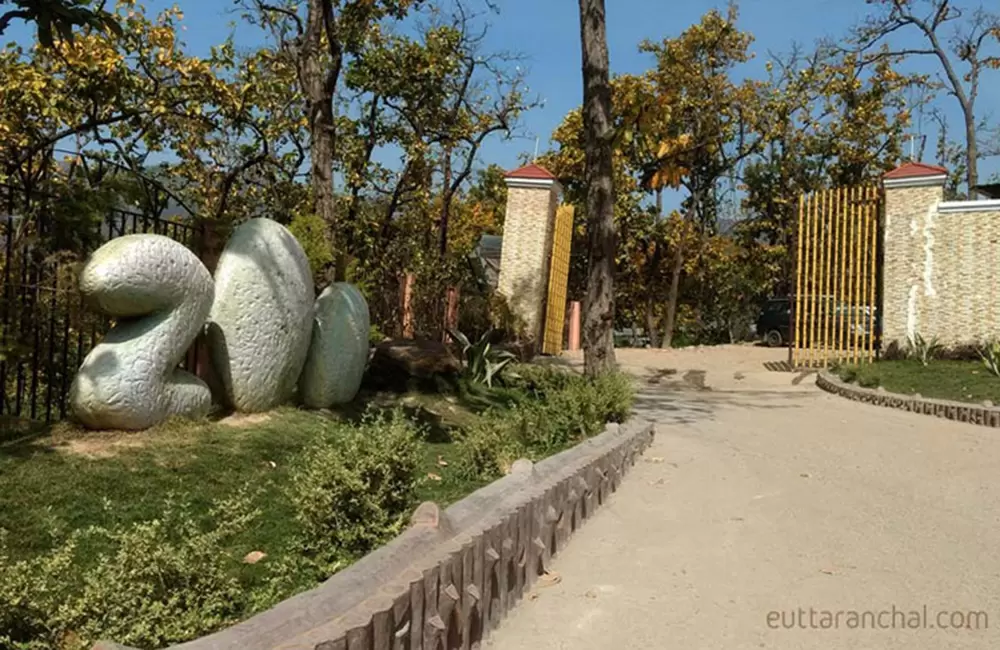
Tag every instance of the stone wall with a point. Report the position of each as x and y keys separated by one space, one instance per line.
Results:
x=527 y=243
x=942 y=266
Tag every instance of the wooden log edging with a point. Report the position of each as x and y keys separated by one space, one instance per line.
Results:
x=980 y=414
x=453 y=575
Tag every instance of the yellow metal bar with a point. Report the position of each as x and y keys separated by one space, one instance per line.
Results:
x=874 y=214
x=825 y=281
x=844 y=206
x=797 y=334
x=838 y=285
x=860 y=318
x=821 y=283
x=813 y=305
x=859 y=256
x=847 y=194
x=849 y=269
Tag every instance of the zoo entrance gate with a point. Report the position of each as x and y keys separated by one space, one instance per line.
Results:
x=838 y=252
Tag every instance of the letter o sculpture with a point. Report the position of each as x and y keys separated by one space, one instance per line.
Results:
x=261 y=320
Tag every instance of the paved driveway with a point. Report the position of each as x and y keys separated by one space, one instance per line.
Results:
x=763 y=494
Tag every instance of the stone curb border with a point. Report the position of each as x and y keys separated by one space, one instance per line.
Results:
x=452 y=576
x=959 y=411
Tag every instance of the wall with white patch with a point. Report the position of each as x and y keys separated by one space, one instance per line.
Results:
x=941 y=275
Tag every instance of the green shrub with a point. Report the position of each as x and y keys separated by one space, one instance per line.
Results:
x=848 y=373
x=539 y=380
x=615 y=394
x=354 y=492
x=488 y=447
x=868 y=380
x=159 y=582
x=567 y=408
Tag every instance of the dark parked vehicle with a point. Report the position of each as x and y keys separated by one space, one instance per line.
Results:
x=773 y=322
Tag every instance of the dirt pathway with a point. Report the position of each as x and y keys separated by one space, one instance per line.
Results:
x=762 y=494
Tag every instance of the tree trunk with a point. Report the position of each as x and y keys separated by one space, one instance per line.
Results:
x=319 y=81
x=445 y=201
x=659 y=203
x=971 y=154
x=674 y=295
x=652 y=323
x=599 y=303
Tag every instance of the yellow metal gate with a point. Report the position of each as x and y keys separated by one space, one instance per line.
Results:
x=555 y=306
x=836 y=299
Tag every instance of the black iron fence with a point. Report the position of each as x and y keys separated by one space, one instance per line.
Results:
x=46 y=327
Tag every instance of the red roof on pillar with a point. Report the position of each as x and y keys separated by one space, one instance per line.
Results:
x=915 y=170
x=531 y=171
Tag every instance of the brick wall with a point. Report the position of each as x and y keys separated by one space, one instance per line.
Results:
x=524 y=257
x=942 y=267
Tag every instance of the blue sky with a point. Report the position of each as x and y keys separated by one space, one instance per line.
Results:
x=547 y=33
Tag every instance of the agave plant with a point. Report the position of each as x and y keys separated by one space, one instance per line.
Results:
x=990 y=354
x=923 y=350
x=482 y=361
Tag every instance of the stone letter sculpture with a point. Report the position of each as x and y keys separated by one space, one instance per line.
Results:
x=261 y=320
x=339 y=349
x=161 y=294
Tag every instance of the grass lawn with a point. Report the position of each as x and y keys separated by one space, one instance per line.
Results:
x=963 y=381
x=66 y=478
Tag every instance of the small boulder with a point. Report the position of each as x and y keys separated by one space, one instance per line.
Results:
x=398 y=361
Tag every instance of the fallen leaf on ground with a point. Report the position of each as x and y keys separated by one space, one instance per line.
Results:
x=434 y=477
x=442 y=462
x=532 y=596
x=591 y=594
x=657 y=482
x=653 y=459
x=253 y=557
x=804 y=474
x=828 y=572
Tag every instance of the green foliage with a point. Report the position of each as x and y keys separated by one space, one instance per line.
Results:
x=567 y=408
x=161 y=581
x=922 y=350
x=353 y=492
x=58 y=18
x=990 y=355
x=483 y=363
x=489 y=447
x=312 y=234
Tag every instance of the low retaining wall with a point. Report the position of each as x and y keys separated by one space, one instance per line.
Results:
x=453 y=575
x=988 y=416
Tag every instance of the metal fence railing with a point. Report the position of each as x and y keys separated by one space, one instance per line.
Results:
x=46 y=327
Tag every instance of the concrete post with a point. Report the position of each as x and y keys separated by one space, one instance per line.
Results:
x=574 y=326
x=912 y=195
x=532 y=199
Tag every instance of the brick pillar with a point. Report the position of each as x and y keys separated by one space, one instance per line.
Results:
x=532 y=198
x=912 y=195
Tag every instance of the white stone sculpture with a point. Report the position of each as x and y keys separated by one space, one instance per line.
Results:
x=261 y=321
x=339 y=349
x=161 y=293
